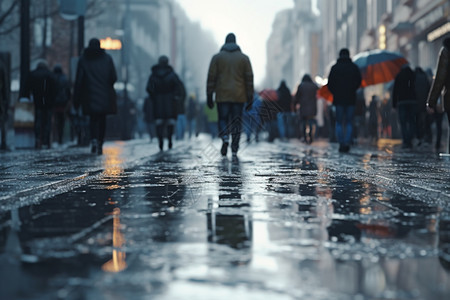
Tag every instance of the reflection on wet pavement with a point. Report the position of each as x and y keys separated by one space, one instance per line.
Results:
x=283 y=221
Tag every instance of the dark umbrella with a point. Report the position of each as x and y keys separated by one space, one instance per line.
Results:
x=378 y=66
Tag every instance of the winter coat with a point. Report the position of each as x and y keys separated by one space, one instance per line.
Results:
x=343 y=81
x=165 y=90
x=94 y=84
x=404 y=87
x=284 y=98
x=41 y=84
x=442 y=78
x=306 y=96
x=230 y=75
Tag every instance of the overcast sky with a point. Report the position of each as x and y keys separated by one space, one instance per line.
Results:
x=250 y=20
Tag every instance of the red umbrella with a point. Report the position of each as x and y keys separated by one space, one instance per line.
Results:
x=378 y=66
x=269 y=95
x=325 y=93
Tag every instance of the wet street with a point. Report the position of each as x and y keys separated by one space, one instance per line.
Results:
x=284 y=220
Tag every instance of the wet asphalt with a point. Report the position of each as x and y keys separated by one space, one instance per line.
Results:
x=283 y=220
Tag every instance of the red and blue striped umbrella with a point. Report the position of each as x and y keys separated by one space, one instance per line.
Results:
x=378 y=66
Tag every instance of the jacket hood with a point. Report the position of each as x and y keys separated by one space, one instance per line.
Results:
x=91 y=53
x=161 y=71
x=230 y=47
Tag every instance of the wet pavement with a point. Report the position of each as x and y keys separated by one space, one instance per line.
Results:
x=283 y=221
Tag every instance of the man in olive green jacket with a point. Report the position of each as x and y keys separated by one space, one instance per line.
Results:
x=230 y=78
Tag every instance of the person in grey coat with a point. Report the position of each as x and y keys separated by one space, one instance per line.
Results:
x=306 y=97
x=94 y=91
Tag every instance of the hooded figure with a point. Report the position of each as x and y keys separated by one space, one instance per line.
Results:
x=94 y=90
x=230 y=78
x=165 y=90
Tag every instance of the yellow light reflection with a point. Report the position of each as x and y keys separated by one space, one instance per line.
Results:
x=117 y=263
x=113 y=165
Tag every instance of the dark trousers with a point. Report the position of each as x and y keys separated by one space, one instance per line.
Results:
x=344 y=124
x=97 y=126
x=42 y=126
x=230 y=122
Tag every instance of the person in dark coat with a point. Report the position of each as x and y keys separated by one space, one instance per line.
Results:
x=284 y=103
x=94 y=91
x=306 y=97
x=41 y=85
x=440 y=88
x=62 y=98
x=360 y=127
x=405 y=101
x=165 y=90
x=343 y=82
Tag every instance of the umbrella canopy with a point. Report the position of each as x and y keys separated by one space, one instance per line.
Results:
x=325 y=93
x=269 y=95
x=378 y=66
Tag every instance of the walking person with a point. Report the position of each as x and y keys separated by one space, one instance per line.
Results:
x=373 y=119
x=94 y=91
x=283 y=116
x=41 y=85
x=191 y=116
x=343 y=82
x=405 y=101
x=306 y=97
x=62 y=99
x=165 y=90
x=230 y=78
x=441 y=81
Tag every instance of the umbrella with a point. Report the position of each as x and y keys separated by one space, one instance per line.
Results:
x=269 y=95
x=378 y=66
x=325 y=93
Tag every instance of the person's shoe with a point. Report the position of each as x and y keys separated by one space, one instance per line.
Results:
x=161 y=145
x=170 y=144
x=94 y=146
x=100 y=150
x=224 y=149
x=341 y=148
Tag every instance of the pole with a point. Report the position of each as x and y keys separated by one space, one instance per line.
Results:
x=24 y=43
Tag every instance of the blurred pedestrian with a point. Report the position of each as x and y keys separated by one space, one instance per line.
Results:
x=373 y=119
x=360 y=115
x=62 y=100
x=441 y=82
x=41 y=85
x=252 y=119
x=343 y=82
x=230 y=78
x=166 y=92
x=4 y=103
x=191 y=115
x=285 y=105
x=405 y=101
x=181 y=123
x=306 y=97
x=94 y=91
x=422 y=88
